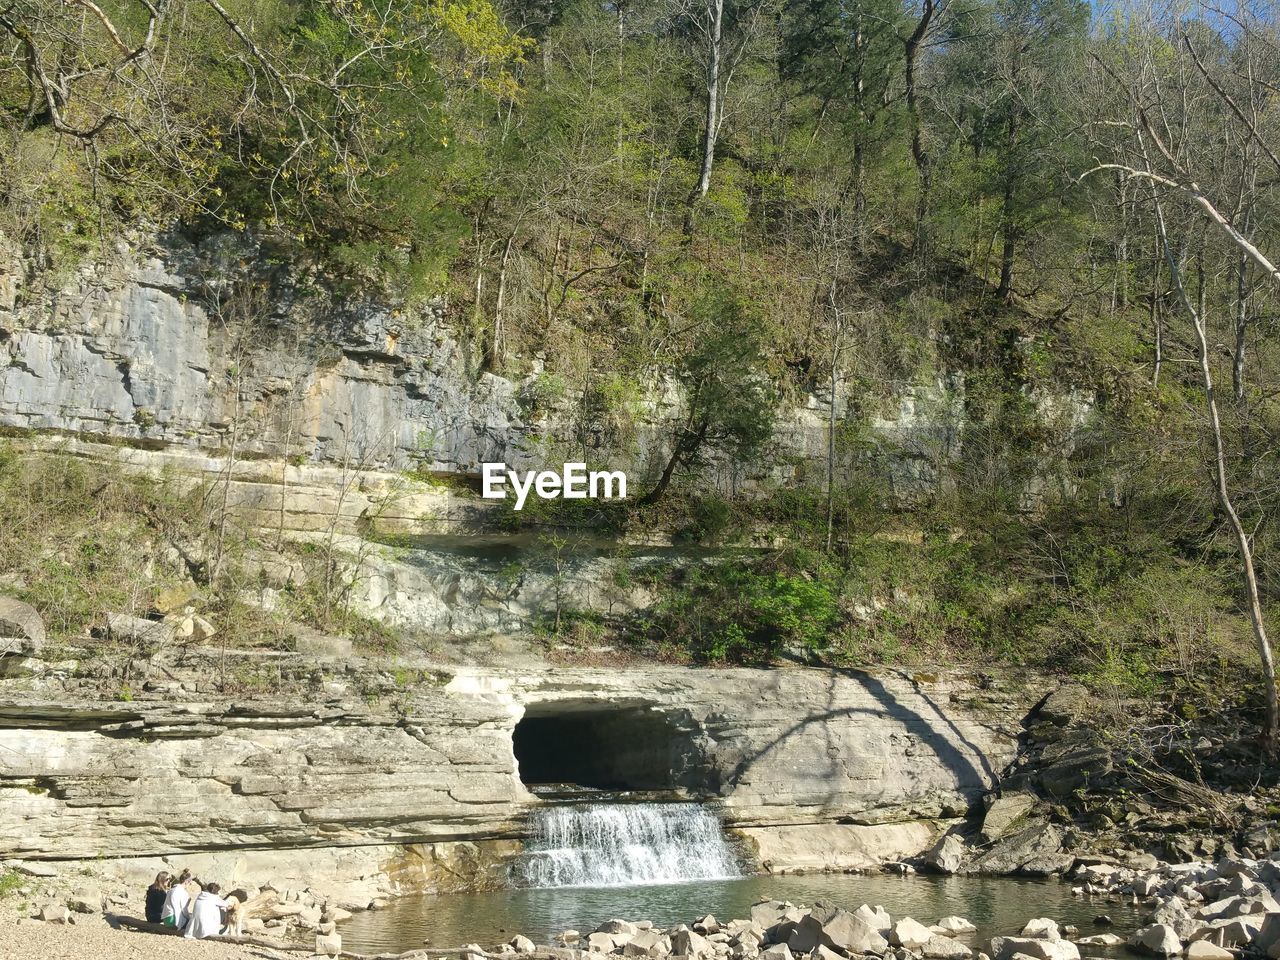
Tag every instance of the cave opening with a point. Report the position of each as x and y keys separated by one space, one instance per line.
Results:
x=603 y=748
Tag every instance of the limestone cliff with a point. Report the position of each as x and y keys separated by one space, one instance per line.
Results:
x=140 y=345
x=380 y=761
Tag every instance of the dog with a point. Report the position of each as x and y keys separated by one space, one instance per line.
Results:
x=233 y=917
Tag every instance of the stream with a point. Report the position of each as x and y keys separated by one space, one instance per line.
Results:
x=997 y=905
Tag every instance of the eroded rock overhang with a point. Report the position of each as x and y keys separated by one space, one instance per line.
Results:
x=437 y=762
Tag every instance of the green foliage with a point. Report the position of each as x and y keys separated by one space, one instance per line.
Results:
x=743 y=612
x=331 y=125
x=1008 y=481
x=729 y=400
x=112 y=541
x=75 y=533
x=11 y=881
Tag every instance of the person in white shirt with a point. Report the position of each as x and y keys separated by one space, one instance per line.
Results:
x=206 y=914
x=176 y=902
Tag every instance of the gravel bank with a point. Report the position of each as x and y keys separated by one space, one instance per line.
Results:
x=91 y=938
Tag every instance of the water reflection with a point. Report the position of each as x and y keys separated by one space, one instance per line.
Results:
x=995 y=905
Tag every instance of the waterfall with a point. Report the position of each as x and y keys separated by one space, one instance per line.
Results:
x=620 y=844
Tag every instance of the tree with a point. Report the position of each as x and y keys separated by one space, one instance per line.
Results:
x=728 y=401
x=722 y=32
x=845 y=56
x=1011 y=81
x=1175 y=119
x=328 y=122
x=912 y=43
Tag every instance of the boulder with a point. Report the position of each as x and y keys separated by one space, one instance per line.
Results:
x=852 y=935
x=1035 y=849
x=1267 y=934
x=1069 y=703
x=600 y=942
x=954 y=925
x=1042 y=928
x=1147 y=885
x=779 y=951
x=202 y=629
x=616 y=926
x=1237 y=932
x=736 y=929
x=805 y=935
x=910 y=933
x=123 y=628
x=1004 y=813
x=329 y=945
x=1204 y=950
x=1241 y=906
x=768 y=912
x=687 y=943
x=522 y=944
x=54 y=913
x=647 y=943
x=1101 y=940
x=947 y=855
x=1072 y=769
x=1159 y=939
x=1005 y=948
x=944 y=948
x=706 y=925
x=837 y=929
x=21 y=621
x=877 y=916
x=85 y=901
x=1235 y=866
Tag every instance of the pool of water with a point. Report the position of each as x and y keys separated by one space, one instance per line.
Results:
x=997 y=905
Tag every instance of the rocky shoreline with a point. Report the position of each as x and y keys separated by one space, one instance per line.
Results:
x=1197 y=910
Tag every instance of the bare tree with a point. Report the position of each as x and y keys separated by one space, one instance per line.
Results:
x=724 y=32
x=1168 y=138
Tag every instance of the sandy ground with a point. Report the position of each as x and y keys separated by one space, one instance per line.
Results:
x=91 y=938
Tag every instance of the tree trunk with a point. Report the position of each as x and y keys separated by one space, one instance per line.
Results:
x=685 y=447
x=711 y=128
x=1242 y=329
x=831 y=427
x=498 y=348
x=1008 y=227
x=918 y=153
x=1157 y=317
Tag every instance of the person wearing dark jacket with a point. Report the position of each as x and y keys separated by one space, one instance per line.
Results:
x=156 y=894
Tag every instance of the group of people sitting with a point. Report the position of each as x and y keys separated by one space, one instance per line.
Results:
x=195 y=908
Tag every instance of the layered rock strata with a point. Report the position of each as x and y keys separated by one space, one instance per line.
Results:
x=378 y=759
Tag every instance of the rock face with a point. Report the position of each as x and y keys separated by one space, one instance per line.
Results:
x=127 y=348
x=436 y=764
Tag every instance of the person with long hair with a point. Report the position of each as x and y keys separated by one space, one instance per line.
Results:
x=157 y=894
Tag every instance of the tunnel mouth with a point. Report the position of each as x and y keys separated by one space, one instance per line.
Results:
x=562 y=748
